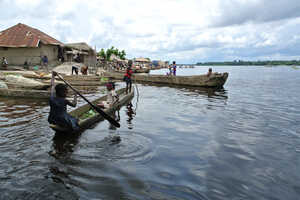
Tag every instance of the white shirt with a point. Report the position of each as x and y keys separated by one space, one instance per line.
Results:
x=111 y=96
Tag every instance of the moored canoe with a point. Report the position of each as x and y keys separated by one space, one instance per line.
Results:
x=214 y=80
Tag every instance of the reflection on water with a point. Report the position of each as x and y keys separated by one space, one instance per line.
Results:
x=219 y=93
x=190 y=91
x=63 y=144
x=130 y=113
x=16 y=112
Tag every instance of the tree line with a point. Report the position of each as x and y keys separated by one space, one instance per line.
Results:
x=241 y=62
x=109 y=52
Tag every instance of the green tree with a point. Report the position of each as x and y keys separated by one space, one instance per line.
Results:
x=122 y=55
x=107 y=54
x=102 y=54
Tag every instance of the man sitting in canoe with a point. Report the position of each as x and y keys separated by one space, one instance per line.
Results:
x=209 y=73
x=112 y=96
x=58 y=106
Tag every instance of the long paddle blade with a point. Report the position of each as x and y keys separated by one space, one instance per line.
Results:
x=99 y=110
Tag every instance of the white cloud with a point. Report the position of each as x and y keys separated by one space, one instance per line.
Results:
x=181 y=30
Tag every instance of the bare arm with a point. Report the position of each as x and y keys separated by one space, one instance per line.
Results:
x=52 y=84
x=74 y=102
x=115 y=96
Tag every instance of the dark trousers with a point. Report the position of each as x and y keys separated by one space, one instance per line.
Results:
x=128 y=85
x=74 y=69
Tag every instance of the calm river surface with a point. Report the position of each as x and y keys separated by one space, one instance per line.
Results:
x=240 y=142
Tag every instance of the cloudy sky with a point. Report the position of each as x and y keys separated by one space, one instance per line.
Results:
x=187 y=31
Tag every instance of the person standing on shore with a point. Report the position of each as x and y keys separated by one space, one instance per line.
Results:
x=170 y=70
x=4 y=63
x=174 y=68
x=45 y=62
x=75 y=70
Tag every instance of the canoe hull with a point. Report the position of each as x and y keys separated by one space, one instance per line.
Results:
x=215 y=80
x=36 y=94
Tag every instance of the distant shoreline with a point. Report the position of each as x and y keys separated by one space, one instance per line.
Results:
x=254 y=63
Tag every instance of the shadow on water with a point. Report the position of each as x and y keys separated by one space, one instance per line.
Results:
x=210 y=92
x=64 y=143
x=130 y=113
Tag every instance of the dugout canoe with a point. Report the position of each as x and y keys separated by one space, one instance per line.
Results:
x=45 y=94
x=214 y=80
x=35 y=94
x=88 y=117
x=135 y=71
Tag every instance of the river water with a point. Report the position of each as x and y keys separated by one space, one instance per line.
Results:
x=239 y=142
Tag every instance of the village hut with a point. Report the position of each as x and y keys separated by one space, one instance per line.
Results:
x=142 y=62
x=87 y=55
x=24 y=45
x=159 y=64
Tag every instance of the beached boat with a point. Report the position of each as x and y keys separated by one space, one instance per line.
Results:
x=45 y=94
x=214 y=80
x=36 y=94
x=143 y=70
x=79 y=83
x=88 y=117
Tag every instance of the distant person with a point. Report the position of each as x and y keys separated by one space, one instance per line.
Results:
x=75 y=70
x=60 y=55
x=26 y=65
x=170 y=70
x=77 y=58
x=127 y=77
x=209 y=73
x=45 y=62
x=174 y=68
x=58 y=106
x=84 y=70
x=4 y=63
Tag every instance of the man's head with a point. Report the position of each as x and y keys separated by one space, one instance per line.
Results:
x=61 y=90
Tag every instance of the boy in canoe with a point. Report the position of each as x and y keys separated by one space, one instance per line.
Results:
x=58 y=106
x=112 y=96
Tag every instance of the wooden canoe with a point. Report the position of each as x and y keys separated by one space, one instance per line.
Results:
x=215 y=80
x=88 y=117
x=135 y=71
x=36 y=94
x=45 y=94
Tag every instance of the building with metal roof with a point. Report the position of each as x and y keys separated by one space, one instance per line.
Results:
x=86 y=53
x=23 y=44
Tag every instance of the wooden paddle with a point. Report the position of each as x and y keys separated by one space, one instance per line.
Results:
x=99 y=110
